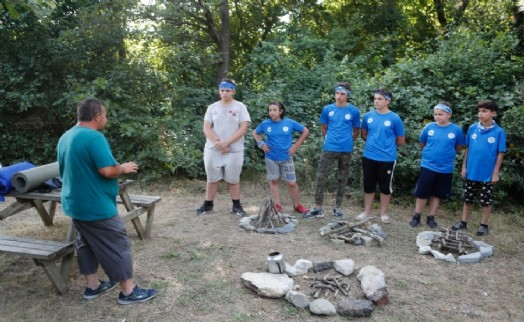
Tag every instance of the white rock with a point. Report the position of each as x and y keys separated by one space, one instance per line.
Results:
x=297 y=299
x=344 y=266
x=450 y=258
x=322 y=307
x=470 y=258
x=302 y=266
x=291 y=270
x=437 y=254
x=424 y=250
x=424 y=238
x=267 y=284
x=369 y=270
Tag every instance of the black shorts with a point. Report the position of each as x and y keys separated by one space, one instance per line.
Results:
x=378 y=172
x=433 y=184
x=484 y=190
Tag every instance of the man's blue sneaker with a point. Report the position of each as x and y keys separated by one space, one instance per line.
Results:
x=90 y=294
x=139 y=295
x=314 y=213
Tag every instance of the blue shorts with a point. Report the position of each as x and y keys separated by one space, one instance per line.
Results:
x=433 y=184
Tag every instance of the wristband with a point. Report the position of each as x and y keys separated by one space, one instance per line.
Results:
x=260 y=143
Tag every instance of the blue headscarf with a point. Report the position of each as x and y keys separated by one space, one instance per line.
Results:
x=443 y=107
x=227 y=85
x=342 y=89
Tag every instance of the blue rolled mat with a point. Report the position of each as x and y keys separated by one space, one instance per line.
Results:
x=7 y=173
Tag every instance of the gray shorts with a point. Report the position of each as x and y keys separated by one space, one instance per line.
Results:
x=104 y=242
x=280 y=169
x=223 y=166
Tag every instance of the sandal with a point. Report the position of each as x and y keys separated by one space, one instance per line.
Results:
x=361 y=217
x=385 y=219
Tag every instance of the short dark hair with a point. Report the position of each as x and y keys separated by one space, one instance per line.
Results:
x=489 y=105
x=448 y=104
x=280 y=106
x=88 y=109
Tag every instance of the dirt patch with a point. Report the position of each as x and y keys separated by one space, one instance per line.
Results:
x=196 y=264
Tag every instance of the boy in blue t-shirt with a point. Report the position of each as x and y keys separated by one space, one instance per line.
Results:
x=485 y=148
x=440 y=142
x=279 y=151
x=340 y=125
x=383 y=131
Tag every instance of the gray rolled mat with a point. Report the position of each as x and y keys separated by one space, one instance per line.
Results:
x=30 y=179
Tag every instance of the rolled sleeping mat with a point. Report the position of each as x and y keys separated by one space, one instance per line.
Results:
x=33 y=178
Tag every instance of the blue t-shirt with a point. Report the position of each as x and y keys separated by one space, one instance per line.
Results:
x=383 y=130
x=440 y=143
x=484 y=145
x=279 y=137
x=86 y=194
x=340 y=122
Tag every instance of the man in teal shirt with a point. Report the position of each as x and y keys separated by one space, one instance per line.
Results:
x=89 y=173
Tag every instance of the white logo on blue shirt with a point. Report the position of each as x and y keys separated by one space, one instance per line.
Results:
x=491 y=139
x=474 y=136
x=451 y=136
x=269 y=129
x=348 y=116
x=331 y=113
x=431 y=132
x=387 y=123
x=370 y=120
x=285 y=129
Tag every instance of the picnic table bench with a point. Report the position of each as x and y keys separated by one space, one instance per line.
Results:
x=47 y=253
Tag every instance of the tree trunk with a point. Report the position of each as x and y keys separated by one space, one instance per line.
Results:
x=224 y=43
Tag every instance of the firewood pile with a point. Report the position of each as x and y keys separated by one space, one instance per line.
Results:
x=269 y=218
x=455 y=241
x=324 y=286
x=351 y=232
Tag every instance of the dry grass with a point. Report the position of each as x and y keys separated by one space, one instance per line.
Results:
x=196 y=263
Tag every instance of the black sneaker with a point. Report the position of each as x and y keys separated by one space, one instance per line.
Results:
x=459 y=226
x=239 y=211
x=314 y=213
x=139 y=295
x=203 y=209
x=483 y=231
x=90 y=294
x=431 y=222
x=338 y=212
x=415 y=221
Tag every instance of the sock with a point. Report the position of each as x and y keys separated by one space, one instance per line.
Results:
x=464 y=223
x=208 y=203
x=417 y=215
x=484 y=225
x=236 y=202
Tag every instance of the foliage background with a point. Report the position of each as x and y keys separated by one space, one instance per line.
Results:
x=156 y=64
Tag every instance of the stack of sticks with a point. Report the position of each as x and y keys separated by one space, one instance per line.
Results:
x=350 y=232
x=325 y=285
x=269 y=217
x=454 y=241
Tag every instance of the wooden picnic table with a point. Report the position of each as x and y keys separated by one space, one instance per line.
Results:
x=47 y=253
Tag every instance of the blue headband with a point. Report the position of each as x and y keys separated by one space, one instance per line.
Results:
x=342 y=89
x=386 y=96
x=443 y=107
x=226 y=85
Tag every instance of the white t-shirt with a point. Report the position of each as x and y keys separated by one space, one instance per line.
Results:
x=225 y=120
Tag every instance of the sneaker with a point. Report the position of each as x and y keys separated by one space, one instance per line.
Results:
x=431 y=222
x=314 y=213
x=483 y=231
x=239 y=211
x=338 y=212
x=90 y=294
x=138 y=295
x=459 y=226
x=203 y=209
x=301 y=209
x=361 y=217
x=278 y=208
x=415 y=221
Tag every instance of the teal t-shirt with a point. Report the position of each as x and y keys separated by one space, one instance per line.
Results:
x=86 y=194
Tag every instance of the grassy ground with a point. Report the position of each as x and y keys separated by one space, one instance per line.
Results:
x=196 y=264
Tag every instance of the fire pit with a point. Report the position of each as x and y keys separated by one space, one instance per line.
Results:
x=269 y=220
